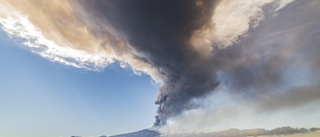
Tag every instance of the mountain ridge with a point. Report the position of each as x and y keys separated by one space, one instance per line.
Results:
x=232 y=132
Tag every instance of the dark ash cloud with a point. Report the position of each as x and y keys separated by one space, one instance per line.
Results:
x=159 y=33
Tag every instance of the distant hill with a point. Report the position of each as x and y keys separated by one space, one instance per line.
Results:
x=249 y=132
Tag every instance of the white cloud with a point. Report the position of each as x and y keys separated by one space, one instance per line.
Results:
x=19 y=27
x=232 y=19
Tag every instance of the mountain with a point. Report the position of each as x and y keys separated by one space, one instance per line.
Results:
x=141 y=133
x=280 y=131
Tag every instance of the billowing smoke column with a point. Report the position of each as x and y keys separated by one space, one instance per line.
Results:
x=195 y=45
x=160 y=32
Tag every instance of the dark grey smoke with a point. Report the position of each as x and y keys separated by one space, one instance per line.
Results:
x=159 y=32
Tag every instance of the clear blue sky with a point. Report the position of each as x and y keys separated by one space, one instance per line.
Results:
x=42 y=98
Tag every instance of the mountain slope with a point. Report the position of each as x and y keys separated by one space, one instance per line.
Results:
x=141 y=133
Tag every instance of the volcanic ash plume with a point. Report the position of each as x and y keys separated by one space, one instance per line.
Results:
x=159 y=33
x=193 y=48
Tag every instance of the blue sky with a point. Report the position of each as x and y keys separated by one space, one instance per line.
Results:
x=42 y=98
